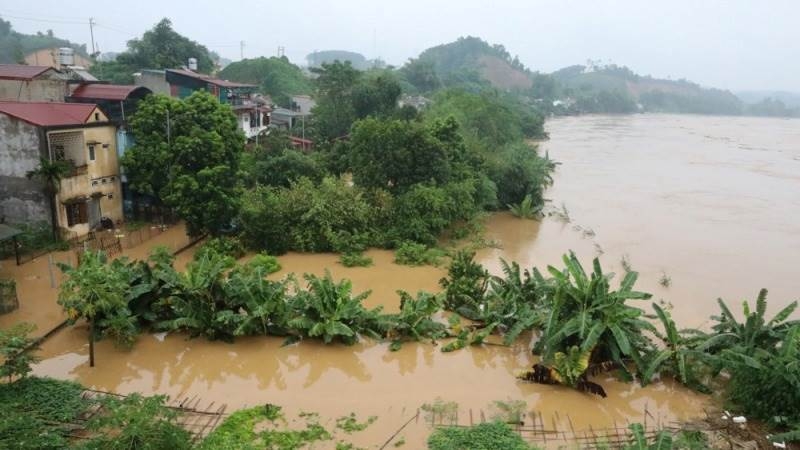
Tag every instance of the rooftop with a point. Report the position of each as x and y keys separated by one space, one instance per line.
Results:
x=21 y=71
x=46 y=114
x=210 y=79
x=99 y=91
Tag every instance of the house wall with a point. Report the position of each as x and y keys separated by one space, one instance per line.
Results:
x=34 y=90
x=153 y=80
x=21 y=200
x=49 y=57
x=102 y=176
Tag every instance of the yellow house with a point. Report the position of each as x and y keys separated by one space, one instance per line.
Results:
x=79 y=134
x=49 y=57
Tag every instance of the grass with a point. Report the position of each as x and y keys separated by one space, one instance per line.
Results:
x=486 y=436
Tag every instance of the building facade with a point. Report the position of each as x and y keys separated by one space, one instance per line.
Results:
x=79 y=134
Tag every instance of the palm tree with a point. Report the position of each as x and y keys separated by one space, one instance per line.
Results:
x=50 y=173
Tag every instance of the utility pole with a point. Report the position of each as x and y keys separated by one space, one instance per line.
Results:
x=91 y=32
x=241 y=49
x=281 y=51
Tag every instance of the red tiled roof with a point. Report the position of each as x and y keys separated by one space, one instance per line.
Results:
x=210 y=79
x=21 y=71
x=46 y=114
x=105 y=91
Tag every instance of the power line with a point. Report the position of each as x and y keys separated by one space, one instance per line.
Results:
x=34 y=19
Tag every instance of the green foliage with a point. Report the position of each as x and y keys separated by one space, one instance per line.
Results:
x=281 y=167
x=519 y=172
x=440 y=412
x=14 y=45
x=34 y=413
x=415 y=319
x=50 y=173
x=485 y=436
x=262 y=263
x=329 y=310
x=511 y=411
x=276 y=76
x=394 y=155
x=525 y=209
x=305 y=217
x=16 y=349
x=159 y=48
x=465 y=285
x=662 y=440
x=412 y=254
x=136 y=422
x=335 y=112
x=199 y=151
x=350 y=423
x=354 y=259
x=223 y=245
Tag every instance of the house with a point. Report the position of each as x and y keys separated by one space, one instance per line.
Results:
x=53 y=57
x=288 y=119
x=303 y=104
x=118 y=101
x=417 y=102
x=23 y=83
x=77 y=133
x=252 y=114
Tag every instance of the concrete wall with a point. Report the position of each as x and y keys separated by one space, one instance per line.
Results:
x=21 y=200
x=48 y=57
x=33 y=90
x=153 y=80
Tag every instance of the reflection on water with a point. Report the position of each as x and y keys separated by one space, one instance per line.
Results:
x=714 y=215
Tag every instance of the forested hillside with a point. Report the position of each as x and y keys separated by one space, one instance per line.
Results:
x=277 y=77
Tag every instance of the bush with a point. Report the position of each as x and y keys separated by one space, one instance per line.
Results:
x=264 y=263
x=227 y=246
x=17 y=348
x=518 y=172
x=413 y=254
x=355 y=260
x=486 y=436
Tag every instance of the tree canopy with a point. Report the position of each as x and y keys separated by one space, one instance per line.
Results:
x=187 y=155
x=159 y=48
x=278 y=77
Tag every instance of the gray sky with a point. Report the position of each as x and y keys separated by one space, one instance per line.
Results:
x=736 y=44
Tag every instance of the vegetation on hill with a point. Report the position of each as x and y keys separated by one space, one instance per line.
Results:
x=14 y=45
x=318 y=58
x=159 y=48
x=277 y=77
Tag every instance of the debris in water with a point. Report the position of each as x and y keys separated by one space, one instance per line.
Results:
x=160 y=336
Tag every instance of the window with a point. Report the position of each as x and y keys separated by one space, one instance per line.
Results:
x=97 y=117
x=91 y=152
x=77 y=214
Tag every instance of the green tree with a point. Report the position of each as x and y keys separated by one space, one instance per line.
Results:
x=50 y=174
x=395 y=155
x=197 y=144
x=335 y=112
x=421 y=74
x=159 y=48
x=92 y=290
x=376 y=94
x=16 y=349
x=278 y=77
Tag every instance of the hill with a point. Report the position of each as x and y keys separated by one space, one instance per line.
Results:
x=277 y=77
x=14 y=46
x=643 y=92
x=468 y=62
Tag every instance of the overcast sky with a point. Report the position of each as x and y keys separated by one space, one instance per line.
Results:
x=736 y=44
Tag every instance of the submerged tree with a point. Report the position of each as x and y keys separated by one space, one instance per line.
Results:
x=50 y=173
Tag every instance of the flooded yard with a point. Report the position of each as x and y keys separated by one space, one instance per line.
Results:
x=711 y=203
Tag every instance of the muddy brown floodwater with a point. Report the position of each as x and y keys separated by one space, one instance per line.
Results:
x=713 y=203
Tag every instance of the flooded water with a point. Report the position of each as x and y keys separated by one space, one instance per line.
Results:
x=713 y=203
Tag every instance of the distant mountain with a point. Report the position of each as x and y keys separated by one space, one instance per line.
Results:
x=467 y=62
x=790 y=99
x=14 y=46
x=647 y=93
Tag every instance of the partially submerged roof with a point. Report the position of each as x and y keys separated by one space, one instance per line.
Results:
x=210 y=79
x=7 y=232
x=21 y=71
x=118 y=92
x=46 y=114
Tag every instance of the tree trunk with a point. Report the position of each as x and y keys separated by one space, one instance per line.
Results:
x=91 y=343
x=53 y=215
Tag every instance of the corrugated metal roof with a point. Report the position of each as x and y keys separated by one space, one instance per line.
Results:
x=21 y=71
x=210 y=79
x=106 y=91
x=46 y=114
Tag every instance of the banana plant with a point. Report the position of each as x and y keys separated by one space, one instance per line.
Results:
x=755 y=332
x=328 y=310
x=661 y=441
x=586 y=312
x=465 y=286
x=263 y=303
x=678 y=356
x=568 y=369
x=415 y=319
x=514 y=301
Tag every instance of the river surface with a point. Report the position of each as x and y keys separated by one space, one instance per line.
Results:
x=712 y=203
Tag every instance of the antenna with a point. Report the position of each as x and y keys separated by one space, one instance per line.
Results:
x=91 y=32
x=241 y=49
x=281 y=51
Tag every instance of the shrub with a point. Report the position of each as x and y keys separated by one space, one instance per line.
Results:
x=17 y=349
x=355 y=260
x=412 y=254
x=486 y=436
x=263 y=263
x=224 y=245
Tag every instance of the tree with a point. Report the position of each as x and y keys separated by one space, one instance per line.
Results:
x=92 y=290
x=376 y=94
x=394 y=155
x=335 y=112
x=421 y=74
x=197 y=144
x=50 y=174
x=17 y=349
x=277 y=76
x=159 y=48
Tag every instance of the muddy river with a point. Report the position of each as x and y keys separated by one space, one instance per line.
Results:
x=711 y=203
